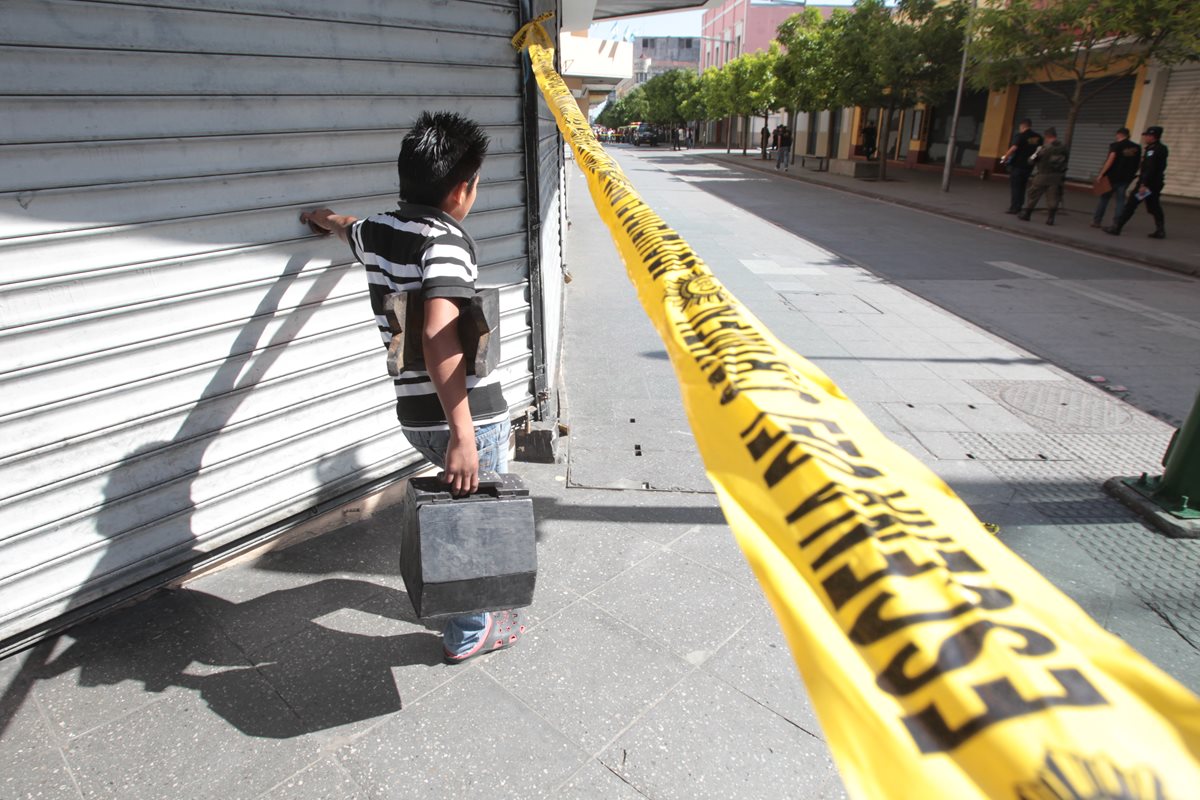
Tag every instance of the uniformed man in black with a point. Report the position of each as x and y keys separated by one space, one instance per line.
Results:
x=1149 y=186
x=1024 y=145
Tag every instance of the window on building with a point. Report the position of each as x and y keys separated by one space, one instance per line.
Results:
x=687 y=43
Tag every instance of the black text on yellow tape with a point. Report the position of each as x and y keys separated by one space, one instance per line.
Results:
x=939 y=663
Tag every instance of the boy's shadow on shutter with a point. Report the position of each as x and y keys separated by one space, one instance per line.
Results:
x=153 y=515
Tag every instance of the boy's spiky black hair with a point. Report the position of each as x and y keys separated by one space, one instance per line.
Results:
x=442 y=150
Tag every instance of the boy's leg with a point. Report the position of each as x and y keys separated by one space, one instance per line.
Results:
x=462 y=635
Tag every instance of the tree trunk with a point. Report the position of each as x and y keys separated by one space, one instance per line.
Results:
x=745 y=131
x=728 y=135
x=885 y=130
x=1073 y=109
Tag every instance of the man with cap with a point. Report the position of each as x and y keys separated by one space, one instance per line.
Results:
x=1050 y=163
x=1149 y=186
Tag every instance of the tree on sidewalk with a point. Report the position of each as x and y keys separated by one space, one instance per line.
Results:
x=894 y=60
x=803 y=70
x=1089 y=44
x=714 y=91
x=667 y=95
x=751 y=87
x=630 y=108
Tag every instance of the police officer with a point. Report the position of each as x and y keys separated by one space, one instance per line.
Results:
x=1149 y=186
x=1050 y=163
x=1023 y=146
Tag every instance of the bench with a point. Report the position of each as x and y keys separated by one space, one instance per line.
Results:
x=815 y=163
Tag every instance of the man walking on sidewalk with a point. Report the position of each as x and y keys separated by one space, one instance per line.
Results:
x=1024 y=145
x=1119 y=170
x=1050 y=162
x=784 y=155
x=1149 y=185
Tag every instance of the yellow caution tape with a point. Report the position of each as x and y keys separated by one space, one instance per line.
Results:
x=940 y=664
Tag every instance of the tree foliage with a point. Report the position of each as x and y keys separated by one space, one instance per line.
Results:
x=668 y=94
x=804 y=68
x=750 y=88
x=630 y=108
x=895 y=58
x=1087 y=43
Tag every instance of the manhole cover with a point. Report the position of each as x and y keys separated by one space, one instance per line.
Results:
x=1065 y=405
x=1068 y=407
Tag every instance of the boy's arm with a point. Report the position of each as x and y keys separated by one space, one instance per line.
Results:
x=324 y=222
x=448 y=372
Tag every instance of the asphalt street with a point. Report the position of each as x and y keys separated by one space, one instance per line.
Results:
x=1135 y=326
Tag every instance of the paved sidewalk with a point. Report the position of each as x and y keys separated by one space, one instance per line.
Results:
x=653 y=667
x=984 y=202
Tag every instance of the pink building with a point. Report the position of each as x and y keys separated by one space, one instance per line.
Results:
x=742 y=26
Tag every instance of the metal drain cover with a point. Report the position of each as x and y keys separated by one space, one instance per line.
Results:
x=1065 y=407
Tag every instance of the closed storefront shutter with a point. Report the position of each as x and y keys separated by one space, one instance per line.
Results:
x=181 y=365
x=1095 y=127
x=1180 y=119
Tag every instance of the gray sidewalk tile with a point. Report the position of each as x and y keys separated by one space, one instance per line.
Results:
x=973 y=482
x=923 y=417
x=325 y=780
x=31 y=763
x=1066 y=565
x=353 y=666
x=991 y=418
x=758 y=663
x=233 y=738
x=612 y=469
x=471 y=737
x=690 y=609
x=659 y=516
x=715 y=547
x=706 y=740
x=580 y=552
x=588 y=674
x=597 y=782
x=935 y=390
x=902 y=368
x=102 y=672
x=274 y=605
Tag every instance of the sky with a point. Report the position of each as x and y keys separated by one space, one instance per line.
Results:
x=675 y=23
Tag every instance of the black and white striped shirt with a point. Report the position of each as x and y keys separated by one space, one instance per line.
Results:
x=422 y=247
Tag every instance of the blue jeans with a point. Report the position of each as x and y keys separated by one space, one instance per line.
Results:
x=461 y=634
x=782 y=158
x=1119 y=190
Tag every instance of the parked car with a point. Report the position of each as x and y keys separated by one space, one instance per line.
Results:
x=645 y=134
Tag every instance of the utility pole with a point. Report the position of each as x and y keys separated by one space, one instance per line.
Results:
x=962 y=80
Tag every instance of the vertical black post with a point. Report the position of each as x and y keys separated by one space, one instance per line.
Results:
x=533 y=226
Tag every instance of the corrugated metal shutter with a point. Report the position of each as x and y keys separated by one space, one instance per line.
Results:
x=1095 y=128
x=1180 y=120
x=180 y=364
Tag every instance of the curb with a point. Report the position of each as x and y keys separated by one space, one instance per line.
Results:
x=1170 y=264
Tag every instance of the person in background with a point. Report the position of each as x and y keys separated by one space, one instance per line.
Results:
x=1050 y=163
x=1119 y=168
x=765 y=140
x=870 y=134
x=1024 y=145
x=784 y=155
x=1149 y=185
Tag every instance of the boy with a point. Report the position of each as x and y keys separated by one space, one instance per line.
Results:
x=458 y=422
